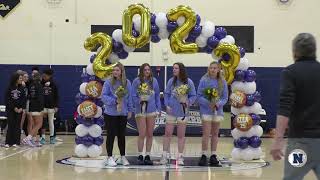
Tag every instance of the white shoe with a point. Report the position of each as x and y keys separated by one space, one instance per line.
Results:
x=6 y=146
x=123 y=161
x=16 y=146
x=110 y=162
x=164 y=160
x=180 y=161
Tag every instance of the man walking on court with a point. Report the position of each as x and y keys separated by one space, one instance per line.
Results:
x=299 y=110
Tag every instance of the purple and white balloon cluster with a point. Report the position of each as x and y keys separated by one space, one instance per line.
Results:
x=89 y=130
x=247 y=143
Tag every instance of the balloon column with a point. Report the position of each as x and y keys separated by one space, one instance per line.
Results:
x=89 y=116
x=245 y=108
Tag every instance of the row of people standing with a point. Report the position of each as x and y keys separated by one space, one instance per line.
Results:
x=122 y=99
x=27 y=102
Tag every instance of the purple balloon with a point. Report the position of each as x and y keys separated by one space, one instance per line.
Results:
x=250 y=76
x=220 y=33
x=87 y=122
x=92 y=78
x=213 y=42
x=98 y=102
x=172 y=25
x=207 y=49
x=78 y=140
x=257 y=96
x=226 y=57
x=255 y=141
x=196 y=30
x=235 y=144
x=79 y=120
x=116 y=46
x=155 y=38
x=78 y=98
x=154 y=29
x=250 y=100
x=242 y=51
x=153 y=18
x=87 y=140
x=239 y=75
x=198 y=19
x=92 y=57
x=98 y=141
x=99 y=121
x=135 y=33
x=191 y=38
x=123 y=54
x=255 y=118
x=85 y=77
x=243 y=142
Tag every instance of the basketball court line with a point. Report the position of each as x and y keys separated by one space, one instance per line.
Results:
x=10 y=155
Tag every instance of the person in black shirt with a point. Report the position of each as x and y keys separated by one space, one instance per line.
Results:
x=35 y=108
x=51 y=101
x=25 y=83
x=299 y=109
x=15 y=101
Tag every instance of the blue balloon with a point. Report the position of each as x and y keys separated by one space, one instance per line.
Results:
x=78 y=140
x=239 y=75
x=78 y=98
x=88 y=122
x=255 y=141
x=255 y=118
x=92 y=57
x=87 y=140
x=155 y=38
x=153 y=18
x=198 y=19
x=250 y=100
x=207 y=49
x=98 y=102
x=226 y=57
x=220 y=33
x=123 y=54
x=242 y=51
x=196 y=30
x=116 y=46
x=135 y=33
x=92 y=78
x=171 y=26
x=257 y=96
x=85 y=77
x=243 y=142
x=79 y=120
x=100 y=121
x=98 y=141
x=250 y=76
x=191 y=38
x=154 y=29
x=213 y=42
x=235 y=144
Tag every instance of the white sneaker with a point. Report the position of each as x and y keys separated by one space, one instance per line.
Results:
x=164 y=160
x=180 y=161
x=110 y=162
x=16 y=146
x=123 y=161
x=6 y=146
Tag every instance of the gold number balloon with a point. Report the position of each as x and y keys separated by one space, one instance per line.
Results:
x=100 y=68
x=243 y=122
x=144 y=36
x=177 y=43
x=94 y=89
x=229 y=66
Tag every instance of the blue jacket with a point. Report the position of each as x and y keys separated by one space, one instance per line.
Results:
x=171 y=100
x=110 y=99
x=204 y=103
x=154 y=104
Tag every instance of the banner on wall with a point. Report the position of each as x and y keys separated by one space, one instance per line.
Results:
x=6 y=6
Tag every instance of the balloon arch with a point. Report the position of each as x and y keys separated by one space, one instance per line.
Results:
x=187 y=34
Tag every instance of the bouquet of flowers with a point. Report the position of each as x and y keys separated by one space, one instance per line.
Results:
x=182 y=93
x=144 y=92
x=211 y=94
x=120 y=93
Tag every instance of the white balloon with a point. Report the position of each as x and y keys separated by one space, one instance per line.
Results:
x=89 y=69
x=249 y=87
x=81 y=150
x=228 y=39
x=128 y=49
x=161 y=20
x=243 y=64
x=117 y=35
x=255 y=108
x=214 y=57
x=94 y=151
x=137 y=22
x=81 y=130
x=236 y=153
x=82 y=88
x=238 y=86
x=244 y=110
x=236 y=133
x=95 y=130
x=78 y=109
x=208 y=29
x=255 y=130
x=247 y=154
x=235 y=111
x=163 y=33
x=99 y=49
x=113 y=57
x=257 y=152
x=201 y=41
x=99 y=112
x=181 y=20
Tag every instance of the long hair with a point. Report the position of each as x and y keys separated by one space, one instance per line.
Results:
x=183 y=76
x=123 y=77
x=13 y=79
x=141 y=75
x=220 y=76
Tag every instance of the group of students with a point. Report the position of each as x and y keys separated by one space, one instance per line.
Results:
x=27 y=102
x=146 y=113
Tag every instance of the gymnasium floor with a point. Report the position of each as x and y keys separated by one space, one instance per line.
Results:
x=40 y=164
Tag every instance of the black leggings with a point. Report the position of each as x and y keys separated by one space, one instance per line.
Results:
x=116 y=126
x=14 y=130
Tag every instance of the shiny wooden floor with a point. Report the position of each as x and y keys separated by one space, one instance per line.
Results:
x=40 y=163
